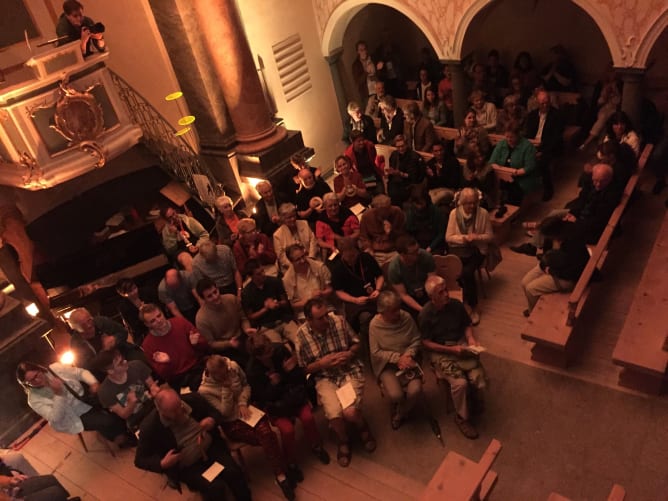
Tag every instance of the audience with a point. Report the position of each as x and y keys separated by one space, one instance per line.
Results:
x=470 y=136
x=358 y=121
x=177 y=292
x=445 y=85
x=73 y=25
x=309 y=196
x=479 y=175
x=408 y=271
x=293 y=231
x=217 y=263
x=379 y=228
x=512 y=112
x=364 y=71
x=444 y=175
x=335 y=222
x=266 y=209
x=22 y=485
x=405 y=169
x=559 y=74
x=254 y=245
x=128 y=307
x=181 y=237
x=485 y=112
x=434 y=109
x=391 y=120
x=425 y=221
x=227 y=222
x=607 y=104
x=418 y=130
x=497 y=75
x=362 y=156
x=524 y=68
x=424 y=84
x=620 y=129
x=305 y=279
x=348 y=184
x=373 y=103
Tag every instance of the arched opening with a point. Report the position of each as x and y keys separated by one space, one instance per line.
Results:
x=657 y=65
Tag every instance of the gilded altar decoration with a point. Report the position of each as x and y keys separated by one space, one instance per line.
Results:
x=32 y=176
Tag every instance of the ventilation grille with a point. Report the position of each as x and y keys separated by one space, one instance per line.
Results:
x=292 y=69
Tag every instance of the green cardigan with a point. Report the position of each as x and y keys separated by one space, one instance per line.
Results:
x=522 y=157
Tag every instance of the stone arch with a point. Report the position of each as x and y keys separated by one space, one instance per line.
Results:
x=647 y=43
x=338 y=20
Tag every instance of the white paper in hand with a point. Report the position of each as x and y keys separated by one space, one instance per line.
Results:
x=255 y=415
x=346 y=395
x=213 y=471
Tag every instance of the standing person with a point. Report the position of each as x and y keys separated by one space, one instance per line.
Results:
x=418 y=130
x=365 y=71
x=73 y=25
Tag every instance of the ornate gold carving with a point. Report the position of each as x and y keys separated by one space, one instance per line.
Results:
x=33 y=172
x=78 y=115
x=95 y=150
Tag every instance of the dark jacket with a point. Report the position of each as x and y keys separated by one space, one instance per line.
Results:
x=569 y=261
x=593 y=209
x=552 y=138
x=421 y=137
x=397 y=126
x=261 y=216
x=368 y=129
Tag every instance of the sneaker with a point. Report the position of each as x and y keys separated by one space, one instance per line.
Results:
x=321 y=454
x=527 y=248
x=475 y=318
x=294 y=474
x=286 y=488
x=466 y=427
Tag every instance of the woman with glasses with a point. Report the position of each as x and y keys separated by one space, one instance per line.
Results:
x=227 y=222
x=252 y=244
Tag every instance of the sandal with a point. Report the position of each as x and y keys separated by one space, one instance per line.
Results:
x=368 y=440
x=343 y=454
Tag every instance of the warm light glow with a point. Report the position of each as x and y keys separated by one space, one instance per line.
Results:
x=32 y=310
x=173 y=96
x=254 y=210
x=9 y=289
x=253 y=181
x=187 y=120
x=185 y=130
x=67 y=314
x=67 y=358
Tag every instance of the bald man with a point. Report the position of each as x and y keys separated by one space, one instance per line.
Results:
x=177 y=292
x=180 y=438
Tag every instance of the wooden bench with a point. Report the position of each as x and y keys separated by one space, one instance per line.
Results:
x=460 y=479
x=552 y=320
x=639 y=347
x=618 y=493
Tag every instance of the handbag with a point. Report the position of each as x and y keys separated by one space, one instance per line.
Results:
x=87 y=398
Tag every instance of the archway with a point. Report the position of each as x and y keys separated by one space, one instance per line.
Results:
x=654 y=38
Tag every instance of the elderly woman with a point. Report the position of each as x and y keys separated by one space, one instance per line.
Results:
x=485 y=112
x=254 y=245
x=468 y=236
x=227 y=222
x=57 y=394
x=394 y=343
x=335 y=222
x=357 y=120
x=471 y=136
x=225 y=387
x=348 y=184
x=293 y=231
x=518 y=154
x=512 y=112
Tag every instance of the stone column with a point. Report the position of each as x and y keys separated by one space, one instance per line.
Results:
x=222 y=29
x=459 y=90
x=632 y=94
x=334 y=61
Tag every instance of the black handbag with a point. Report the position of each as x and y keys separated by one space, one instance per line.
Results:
x=87 y=398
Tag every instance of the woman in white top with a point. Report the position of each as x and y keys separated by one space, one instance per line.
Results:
x=621 y=130
x=485 y=112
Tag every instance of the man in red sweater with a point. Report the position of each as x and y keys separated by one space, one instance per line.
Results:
x=174 y=348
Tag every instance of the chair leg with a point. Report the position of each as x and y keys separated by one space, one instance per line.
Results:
x=83 y=442
x=106 y=444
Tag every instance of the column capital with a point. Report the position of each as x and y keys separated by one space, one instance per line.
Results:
x=451 y=62
x=334 y=56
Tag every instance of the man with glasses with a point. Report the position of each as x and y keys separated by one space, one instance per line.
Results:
x=408 y=271
x=327 y=349
x=305 y=279
x=254 y=245
x=266 y=209
x=293 y=231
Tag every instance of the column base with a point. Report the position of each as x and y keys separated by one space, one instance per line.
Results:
x=260 y=142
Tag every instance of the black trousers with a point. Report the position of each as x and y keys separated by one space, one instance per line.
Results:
x=107 y=423
x=43 y=488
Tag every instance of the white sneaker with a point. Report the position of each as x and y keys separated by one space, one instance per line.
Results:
x=475 y=318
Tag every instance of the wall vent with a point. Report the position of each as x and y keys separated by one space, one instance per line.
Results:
x=292 y=69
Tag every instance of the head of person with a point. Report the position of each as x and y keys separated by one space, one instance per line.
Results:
x=357 y=138
x=618 y=125
x=419 y=197
x=468 y=201
x=475 y=160
x=73 y=12
x=523 y=61
x=430 y=97
x=493 y=58
x=354 y=111
x=607 y=152
x=208 y=291
x=400 y=143
x=317 y=314
x=555 y=228
x=288 y=213
x=255 y=271
x=510 y=103
x=298 y=161
x=172 y=279
x=260 y=346
x=169 y=405
x=110 y=362
x=437 y=150
x=388 y=105
x=127 y=288
x=306 y=178
x=478 y=73
x=208 y=251
x=446 y=71
x=516 y=84
x=154 y=319
x=601 y=176
x=348 y=249
x=543 y=101
x=296 y=254
x=342 y=165
x=408 y=249
x=470 y=120
x=423 y=75
x=512 y=134
x=82 y=321
x=332 y=205
x=266 y=191
x=362 y=50
x=217 y=368
x=412 y=112
x=247 y=230
x=380 y=89
x=382 y=204
x=224 y=205
x=448 y=101
x=437 y=290
x=31 y=375
x=558 y=53
x=477 y=100
x=170 y=215
x=389 y=306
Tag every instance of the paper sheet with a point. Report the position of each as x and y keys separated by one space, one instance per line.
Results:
x=256 y=415
x=213 y=471
x=346 y=395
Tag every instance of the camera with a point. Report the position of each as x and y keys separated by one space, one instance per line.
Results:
x=96 y=28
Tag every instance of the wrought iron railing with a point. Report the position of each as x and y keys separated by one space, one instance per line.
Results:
x=176 y=155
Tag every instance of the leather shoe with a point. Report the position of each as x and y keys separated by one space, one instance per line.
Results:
x=528 y=249
x=466 y=427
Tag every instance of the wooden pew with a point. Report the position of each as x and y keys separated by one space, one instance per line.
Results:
x=401 y=103
x=460 y=479
x=618 y=493
x=551 y=322
x=639 y=347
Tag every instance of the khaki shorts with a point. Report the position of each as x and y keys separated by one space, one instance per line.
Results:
x=330 y=402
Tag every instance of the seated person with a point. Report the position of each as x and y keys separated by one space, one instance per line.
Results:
x=180 y=438
x=445 y=84
x=479 y=175
x=266 y=209
x=95 y=334
x=126 y=388
x=424 y=83
x=356 y=120
x=222 y=322
x=217 y=263
x=293 y=184
x=175 y=291
x=181 y=237
x=327 y=350
x=405 y=169
x=468 y=236
x=394 y=342
x=471 y=136
x=621 y=130
x=485 y=112
x=173 y=347
x=497 y=75
x=444 y=175
x=446 y=331
x=73 y=25
x=225 y=387
x=335 y=222
x=266 y=304
x=348 y=184
x=305 y=279
x=418 y=130
x=363 y=159
x=373 y=103
x=434 y=109
x=293 y=231
x=425 y=221
x=57 y=393
x=391 y=120
x=559 y=74
x=380 y=227
x=307 y=207
x=254 y=245
x=278 y=387
x=620 y=157
x=133 y=299
x=227 y=221
x=408 y=271
x=30 y=487
x=560 y=267
x=516 y=152
x=512 y=111
x=609 y=99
